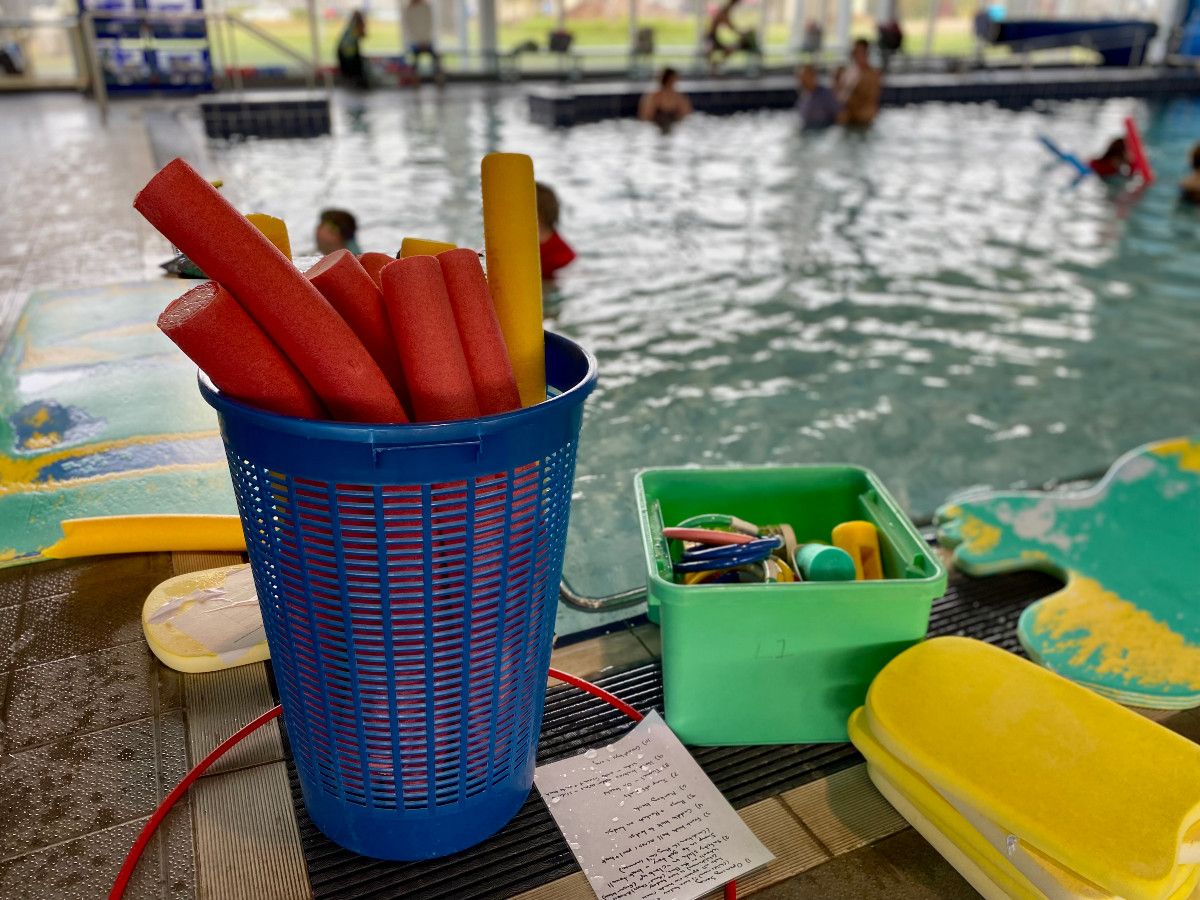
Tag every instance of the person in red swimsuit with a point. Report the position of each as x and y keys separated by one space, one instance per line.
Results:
x=556 y=253
x=1115 y=161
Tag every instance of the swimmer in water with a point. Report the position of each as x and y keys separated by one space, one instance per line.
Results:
x=665 y=106
x=555 y=252
x=1115 y=161
x=1189 y=188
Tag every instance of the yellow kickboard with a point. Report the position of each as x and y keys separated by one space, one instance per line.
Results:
x=274 y=229
x=205 y=621
x=514 y=266
x=1094 y=788
x=414 y=246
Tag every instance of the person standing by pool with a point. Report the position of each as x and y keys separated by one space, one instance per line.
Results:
x=718 y=49
x=555 y=252
x=859 y=87
x=818 y=105
x=336 y=229
x=351 y=65
x=665 y=106
x=418 y=34
x=1189 y=188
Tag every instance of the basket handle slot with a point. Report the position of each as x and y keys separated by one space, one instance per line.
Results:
x=468 y=451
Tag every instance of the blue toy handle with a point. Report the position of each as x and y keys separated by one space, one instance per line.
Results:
x=1069 y=158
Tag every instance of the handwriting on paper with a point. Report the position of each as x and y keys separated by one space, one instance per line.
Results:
x=644 y=820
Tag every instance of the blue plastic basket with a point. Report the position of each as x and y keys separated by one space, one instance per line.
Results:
x=408 y=577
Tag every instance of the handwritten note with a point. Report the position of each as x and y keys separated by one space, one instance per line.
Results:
x=645 y=822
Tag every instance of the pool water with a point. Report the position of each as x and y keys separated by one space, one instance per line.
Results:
x=932 y=299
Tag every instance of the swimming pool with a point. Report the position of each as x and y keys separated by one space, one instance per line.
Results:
x=930 y=299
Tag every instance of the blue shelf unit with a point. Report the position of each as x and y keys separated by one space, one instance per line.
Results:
x=141 y=56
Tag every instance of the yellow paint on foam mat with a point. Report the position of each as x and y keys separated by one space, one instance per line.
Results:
x=1096 y=789
x=20 y=473
x=1119 y=638
x=1187 y=451
x=59 y=357
x=146 y=534
x=274 y=229
x=414 y=246
x=978 y=536
x=514 y=266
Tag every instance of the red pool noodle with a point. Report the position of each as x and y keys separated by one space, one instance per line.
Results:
x=1137 y=152
x=435 y=368
x=223 y=243
x=479 y=330
x=374 y=263
x=343 y=281
x=209 y=325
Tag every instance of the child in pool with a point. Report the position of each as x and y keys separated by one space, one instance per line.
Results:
x=1115 y=161
x=556 y=253
x=1189 y=188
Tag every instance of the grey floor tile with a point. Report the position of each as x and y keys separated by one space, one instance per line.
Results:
x=77 y=785
x=84 y=868
x=86 y=606
x=88 y=692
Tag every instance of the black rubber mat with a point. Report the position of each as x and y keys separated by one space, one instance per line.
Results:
x=530 y=851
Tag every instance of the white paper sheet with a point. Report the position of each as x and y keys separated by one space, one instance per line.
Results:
x=644 y=820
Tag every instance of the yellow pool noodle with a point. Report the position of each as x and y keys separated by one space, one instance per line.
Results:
x=413 y=246
x=275 y=230
x=514 y=267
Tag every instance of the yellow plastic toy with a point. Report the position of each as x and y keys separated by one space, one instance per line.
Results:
x=206 y=621
x=514 y=268
x=413 y=246
x=1030 y=785
x=275 y=230
x=861 y=541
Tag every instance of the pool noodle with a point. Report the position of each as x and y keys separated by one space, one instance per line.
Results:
x=479 y=330
x=514 y=272
x=215 y=333
x=413 y=246
x=374 y=263
x=275 y=230
x=343 y=281
x=435 y=366
x=1137 y=152
x=190 y=213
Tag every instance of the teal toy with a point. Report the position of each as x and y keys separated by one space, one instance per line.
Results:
x=1127 y=622
x=818 y=562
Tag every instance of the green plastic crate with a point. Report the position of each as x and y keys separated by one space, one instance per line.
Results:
x=780 y=663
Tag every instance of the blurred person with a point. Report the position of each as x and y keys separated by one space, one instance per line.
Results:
x=717 y=48
x=1114 y=162
x=1189 y=188
x=817 y=104
x=336 y=230
x=665 y=106
x=814 y=37
x=417 y=21
x=351 y=65
x=891 y=41
x=555 y=252
x=859 y=87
